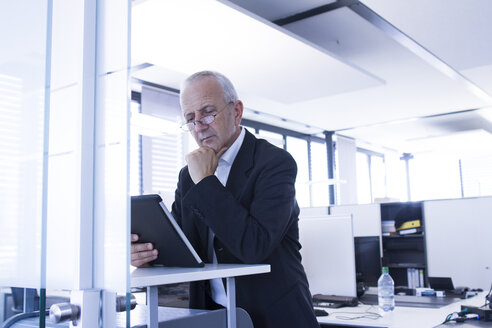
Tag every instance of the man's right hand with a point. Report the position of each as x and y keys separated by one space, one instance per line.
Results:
x=142 y=253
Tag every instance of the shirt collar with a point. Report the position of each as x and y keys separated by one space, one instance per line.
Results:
x=231 y=152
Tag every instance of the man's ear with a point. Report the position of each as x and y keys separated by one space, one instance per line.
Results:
x=238 y=111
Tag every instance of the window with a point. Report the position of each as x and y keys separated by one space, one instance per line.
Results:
x=434 y=176
x=371 y=176
x=378 y=177
x=272 y=137
x=135 y=155
x=298 y=149
x=477 y=175
x=319 y=169
x=364 y=195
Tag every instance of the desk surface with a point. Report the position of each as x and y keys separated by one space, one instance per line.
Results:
x=142 y=277
x=401 y=317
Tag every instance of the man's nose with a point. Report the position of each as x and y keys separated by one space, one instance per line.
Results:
x=199 y=126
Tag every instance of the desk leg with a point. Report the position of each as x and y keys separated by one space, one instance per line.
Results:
x=152 y=307
x=231 y=302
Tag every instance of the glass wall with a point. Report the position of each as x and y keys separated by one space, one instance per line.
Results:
x=24 y=113
x=64 y=148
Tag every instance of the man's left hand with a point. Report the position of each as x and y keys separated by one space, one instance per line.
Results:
x=203 y=162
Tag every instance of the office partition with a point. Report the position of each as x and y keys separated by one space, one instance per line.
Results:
x=328 y=254
x=457 y=234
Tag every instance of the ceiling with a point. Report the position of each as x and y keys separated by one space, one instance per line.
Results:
x=382 y=71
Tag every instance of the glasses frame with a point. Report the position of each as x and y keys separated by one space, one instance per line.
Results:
x=206 y=120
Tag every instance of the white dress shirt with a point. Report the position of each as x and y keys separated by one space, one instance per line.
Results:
x=222 y=173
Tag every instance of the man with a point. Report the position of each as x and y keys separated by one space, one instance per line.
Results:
x=240 y=190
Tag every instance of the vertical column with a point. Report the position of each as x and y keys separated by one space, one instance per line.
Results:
x=310 y=172
x=111 y=257
x=406 y=157
x=329 y=154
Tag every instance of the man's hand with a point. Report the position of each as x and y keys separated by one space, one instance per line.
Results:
x=142 y=253
x=202 y=162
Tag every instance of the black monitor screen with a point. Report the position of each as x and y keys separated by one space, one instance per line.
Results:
x=367 y=260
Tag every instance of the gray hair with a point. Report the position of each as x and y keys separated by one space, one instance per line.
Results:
x=230 y=94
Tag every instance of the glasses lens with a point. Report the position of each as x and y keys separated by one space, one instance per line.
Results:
x=187 y=127
x=207 y=119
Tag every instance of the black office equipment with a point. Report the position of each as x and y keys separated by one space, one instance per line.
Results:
x=484 y=312
x=446 y=284
x=367 y=260
x=153 y=223
x=334 y=301
x=320 y=313
x=441 y=283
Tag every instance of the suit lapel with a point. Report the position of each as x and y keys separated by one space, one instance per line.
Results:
x=241 y=166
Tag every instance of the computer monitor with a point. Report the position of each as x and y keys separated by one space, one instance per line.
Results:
x=328 y=254
x=367 y=260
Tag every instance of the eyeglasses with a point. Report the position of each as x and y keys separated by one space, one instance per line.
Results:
x=206 y=120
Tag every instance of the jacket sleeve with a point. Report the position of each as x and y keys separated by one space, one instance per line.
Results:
x=250 y=234
x=176 y=207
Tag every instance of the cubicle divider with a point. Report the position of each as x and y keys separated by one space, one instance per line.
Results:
x=328 y=254
x=458 y=239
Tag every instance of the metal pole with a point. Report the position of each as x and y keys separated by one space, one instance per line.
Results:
x=310 y=173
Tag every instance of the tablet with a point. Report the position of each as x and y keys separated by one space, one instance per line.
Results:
x=153 y=223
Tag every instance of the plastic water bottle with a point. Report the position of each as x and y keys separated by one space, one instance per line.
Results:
x=386 y=291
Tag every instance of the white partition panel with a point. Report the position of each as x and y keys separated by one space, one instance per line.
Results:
x=367 y=218
x=313 y=211
x=457 y=235
x=328 y=254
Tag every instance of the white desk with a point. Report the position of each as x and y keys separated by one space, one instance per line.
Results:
x=153 y=277
x=401 y=317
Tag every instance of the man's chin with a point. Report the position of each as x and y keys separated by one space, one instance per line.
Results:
x=210 y=144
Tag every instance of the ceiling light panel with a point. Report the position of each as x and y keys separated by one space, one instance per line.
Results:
x=276 y=9
x=192 y=35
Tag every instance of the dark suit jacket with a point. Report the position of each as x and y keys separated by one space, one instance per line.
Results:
x=255 y=220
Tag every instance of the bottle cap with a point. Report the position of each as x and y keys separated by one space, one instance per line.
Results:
x=385 y=269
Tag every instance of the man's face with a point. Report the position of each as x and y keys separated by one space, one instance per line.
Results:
x=205 y=97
